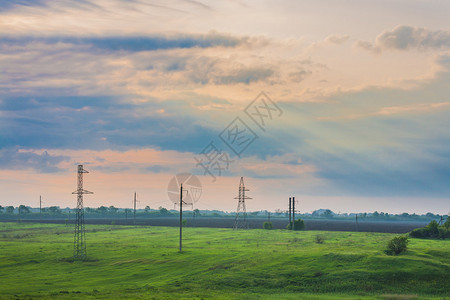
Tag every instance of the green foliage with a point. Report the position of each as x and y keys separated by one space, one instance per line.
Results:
x=113 y=209
x=184 y=222
x=102 y=209
x=447 y=223
x=319 y=239
x=163 y=210
x=397 y=245
x=23 y=209
x=432 y=230
x=54 y=210
x=298 y=225
x=10 y=209
x=268 y=225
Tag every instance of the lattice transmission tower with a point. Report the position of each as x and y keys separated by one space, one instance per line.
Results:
x=79 y=243
x=241 y=214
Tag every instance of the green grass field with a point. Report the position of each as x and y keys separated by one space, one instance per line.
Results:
x=144 y=262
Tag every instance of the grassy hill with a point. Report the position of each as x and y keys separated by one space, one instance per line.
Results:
x=143 y=262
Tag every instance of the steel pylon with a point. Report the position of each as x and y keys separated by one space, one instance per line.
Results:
x=241 y=214
x=79 y=243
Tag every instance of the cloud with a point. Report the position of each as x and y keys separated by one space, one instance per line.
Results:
x=405 y=37
x=11 y=4
x=337 y=39
x=415 y=108
x=19 y=159
x=381 y=141
x=131 y=43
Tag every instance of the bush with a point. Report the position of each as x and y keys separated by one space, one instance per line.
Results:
x=397 y=245
x=447 y=224
x=268 y=225
x=319 y=239
x=443 y=233
x=419 y=233
x=298 y=225
x=432 y=230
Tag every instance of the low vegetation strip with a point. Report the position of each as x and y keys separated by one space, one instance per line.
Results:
x=143 y=262
x=257 y=223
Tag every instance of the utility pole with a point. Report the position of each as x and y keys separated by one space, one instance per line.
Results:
x=290 y=219
x=356 y=221
x=181 y=215
x=293 y=213
x=134 y=214
x=269 y=216
x=40 y=205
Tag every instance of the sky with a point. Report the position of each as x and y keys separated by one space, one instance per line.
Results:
x=343 y=104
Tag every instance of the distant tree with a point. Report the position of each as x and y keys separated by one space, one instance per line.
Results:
x=1 y=209
x=102 y=210
x=163 y=210
x=430 y=215
x=147 y=209
x=54 y=210
x=127 y=211
x=23 y=209
x=113 y=209
x=89 y=210
x=405 y=215
x=327 y=213
x=10 y=209
x=375 y=214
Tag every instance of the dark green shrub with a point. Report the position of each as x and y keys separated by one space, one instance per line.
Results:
x=268 y=225
x=447 y=224
x=298 y=225
x=319 y=239
x=443 y=232
x=433 y=229
x=420 y=233
x=397 y=245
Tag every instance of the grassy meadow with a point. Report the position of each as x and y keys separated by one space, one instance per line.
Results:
x=144 y=262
